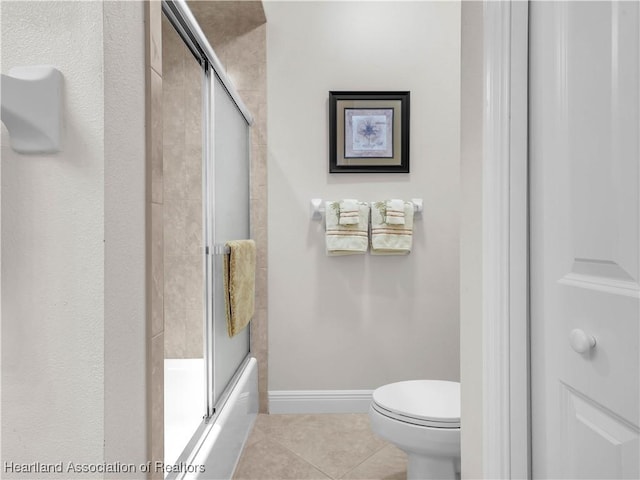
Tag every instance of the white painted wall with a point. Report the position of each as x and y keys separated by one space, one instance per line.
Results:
x=362 y=321
x=52 y=248
x=72 y=315
x=125 y=334
x=471 y=225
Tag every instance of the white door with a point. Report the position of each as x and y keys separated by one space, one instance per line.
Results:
x=585 y=218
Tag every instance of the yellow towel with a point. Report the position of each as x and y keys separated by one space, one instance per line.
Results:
x=389 y=239
x=239 y=284
x=346 y=239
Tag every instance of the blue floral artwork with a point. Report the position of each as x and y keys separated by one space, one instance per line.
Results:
x=368 y=133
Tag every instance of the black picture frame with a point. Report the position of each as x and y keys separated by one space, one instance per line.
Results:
x=369 y=132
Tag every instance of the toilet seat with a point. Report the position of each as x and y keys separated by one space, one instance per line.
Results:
x=429 y=403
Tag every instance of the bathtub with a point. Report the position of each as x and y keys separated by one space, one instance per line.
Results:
x=183 y=404
x=215 y=449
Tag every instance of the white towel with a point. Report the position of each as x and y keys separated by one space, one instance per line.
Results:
x=390 y=239
x=395 y=212
x=346 y=239
x=349 y=212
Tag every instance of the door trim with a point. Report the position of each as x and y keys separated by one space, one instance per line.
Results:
x=506 y=411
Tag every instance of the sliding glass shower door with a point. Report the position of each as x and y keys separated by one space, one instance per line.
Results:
x=206 y=203
x=229 y=209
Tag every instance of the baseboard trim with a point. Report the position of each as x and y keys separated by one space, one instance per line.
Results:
x=319 y=401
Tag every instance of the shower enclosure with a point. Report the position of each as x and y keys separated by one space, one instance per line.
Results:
x=206 y=199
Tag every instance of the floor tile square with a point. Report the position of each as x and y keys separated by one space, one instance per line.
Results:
x=390 y=463
x=268 y=460
x=333 y=445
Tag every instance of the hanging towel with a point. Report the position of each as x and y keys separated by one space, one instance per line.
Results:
x=389 y=239
x=239 y=284
x=349 y=212
x=395 y=212
x=346 y=239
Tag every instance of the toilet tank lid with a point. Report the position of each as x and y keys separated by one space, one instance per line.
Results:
x=435 y=400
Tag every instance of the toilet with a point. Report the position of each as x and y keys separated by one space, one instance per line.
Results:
x=422 y=418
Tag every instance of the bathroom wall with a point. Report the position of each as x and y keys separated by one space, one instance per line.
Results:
x=73 y=244
x=471 y=302
x=125 y=232
x=155 y=233
x=357 y=322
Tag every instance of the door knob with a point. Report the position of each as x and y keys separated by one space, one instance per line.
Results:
x=580 y=341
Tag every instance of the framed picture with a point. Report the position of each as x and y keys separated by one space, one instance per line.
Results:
x=369 y=132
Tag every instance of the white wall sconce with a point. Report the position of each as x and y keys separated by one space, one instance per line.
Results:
x=32 y=108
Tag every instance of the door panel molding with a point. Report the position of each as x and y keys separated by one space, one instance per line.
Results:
x=611 y=441
x=605 y=285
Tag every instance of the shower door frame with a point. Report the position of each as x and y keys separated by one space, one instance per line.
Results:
x=180 y=16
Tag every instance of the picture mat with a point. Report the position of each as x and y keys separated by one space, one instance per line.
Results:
x=341 y=105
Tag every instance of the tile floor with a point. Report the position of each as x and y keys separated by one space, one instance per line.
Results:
x=328 y=446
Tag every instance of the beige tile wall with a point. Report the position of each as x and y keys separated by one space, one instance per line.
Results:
x=155 y=235
x=182 y=198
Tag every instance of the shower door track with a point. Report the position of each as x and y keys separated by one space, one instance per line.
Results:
x=181 y=17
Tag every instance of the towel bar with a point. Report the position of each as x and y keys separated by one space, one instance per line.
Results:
x=221 y=249
x=317 y=208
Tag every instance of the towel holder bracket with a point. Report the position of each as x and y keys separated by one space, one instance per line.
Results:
x=417 y=207
x=317 y=208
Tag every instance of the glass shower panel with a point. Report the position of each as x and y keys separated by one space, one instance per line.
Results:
x=232 y=222
x=183 y=289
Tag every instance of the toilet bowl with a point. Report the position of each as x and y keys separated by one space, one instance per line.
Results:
x=422 y=418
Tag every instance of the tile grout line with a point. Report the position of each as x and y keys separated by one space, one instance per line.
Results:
x=363 y=461
x=272 y=439
x=270 y=432
x=316 y=467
